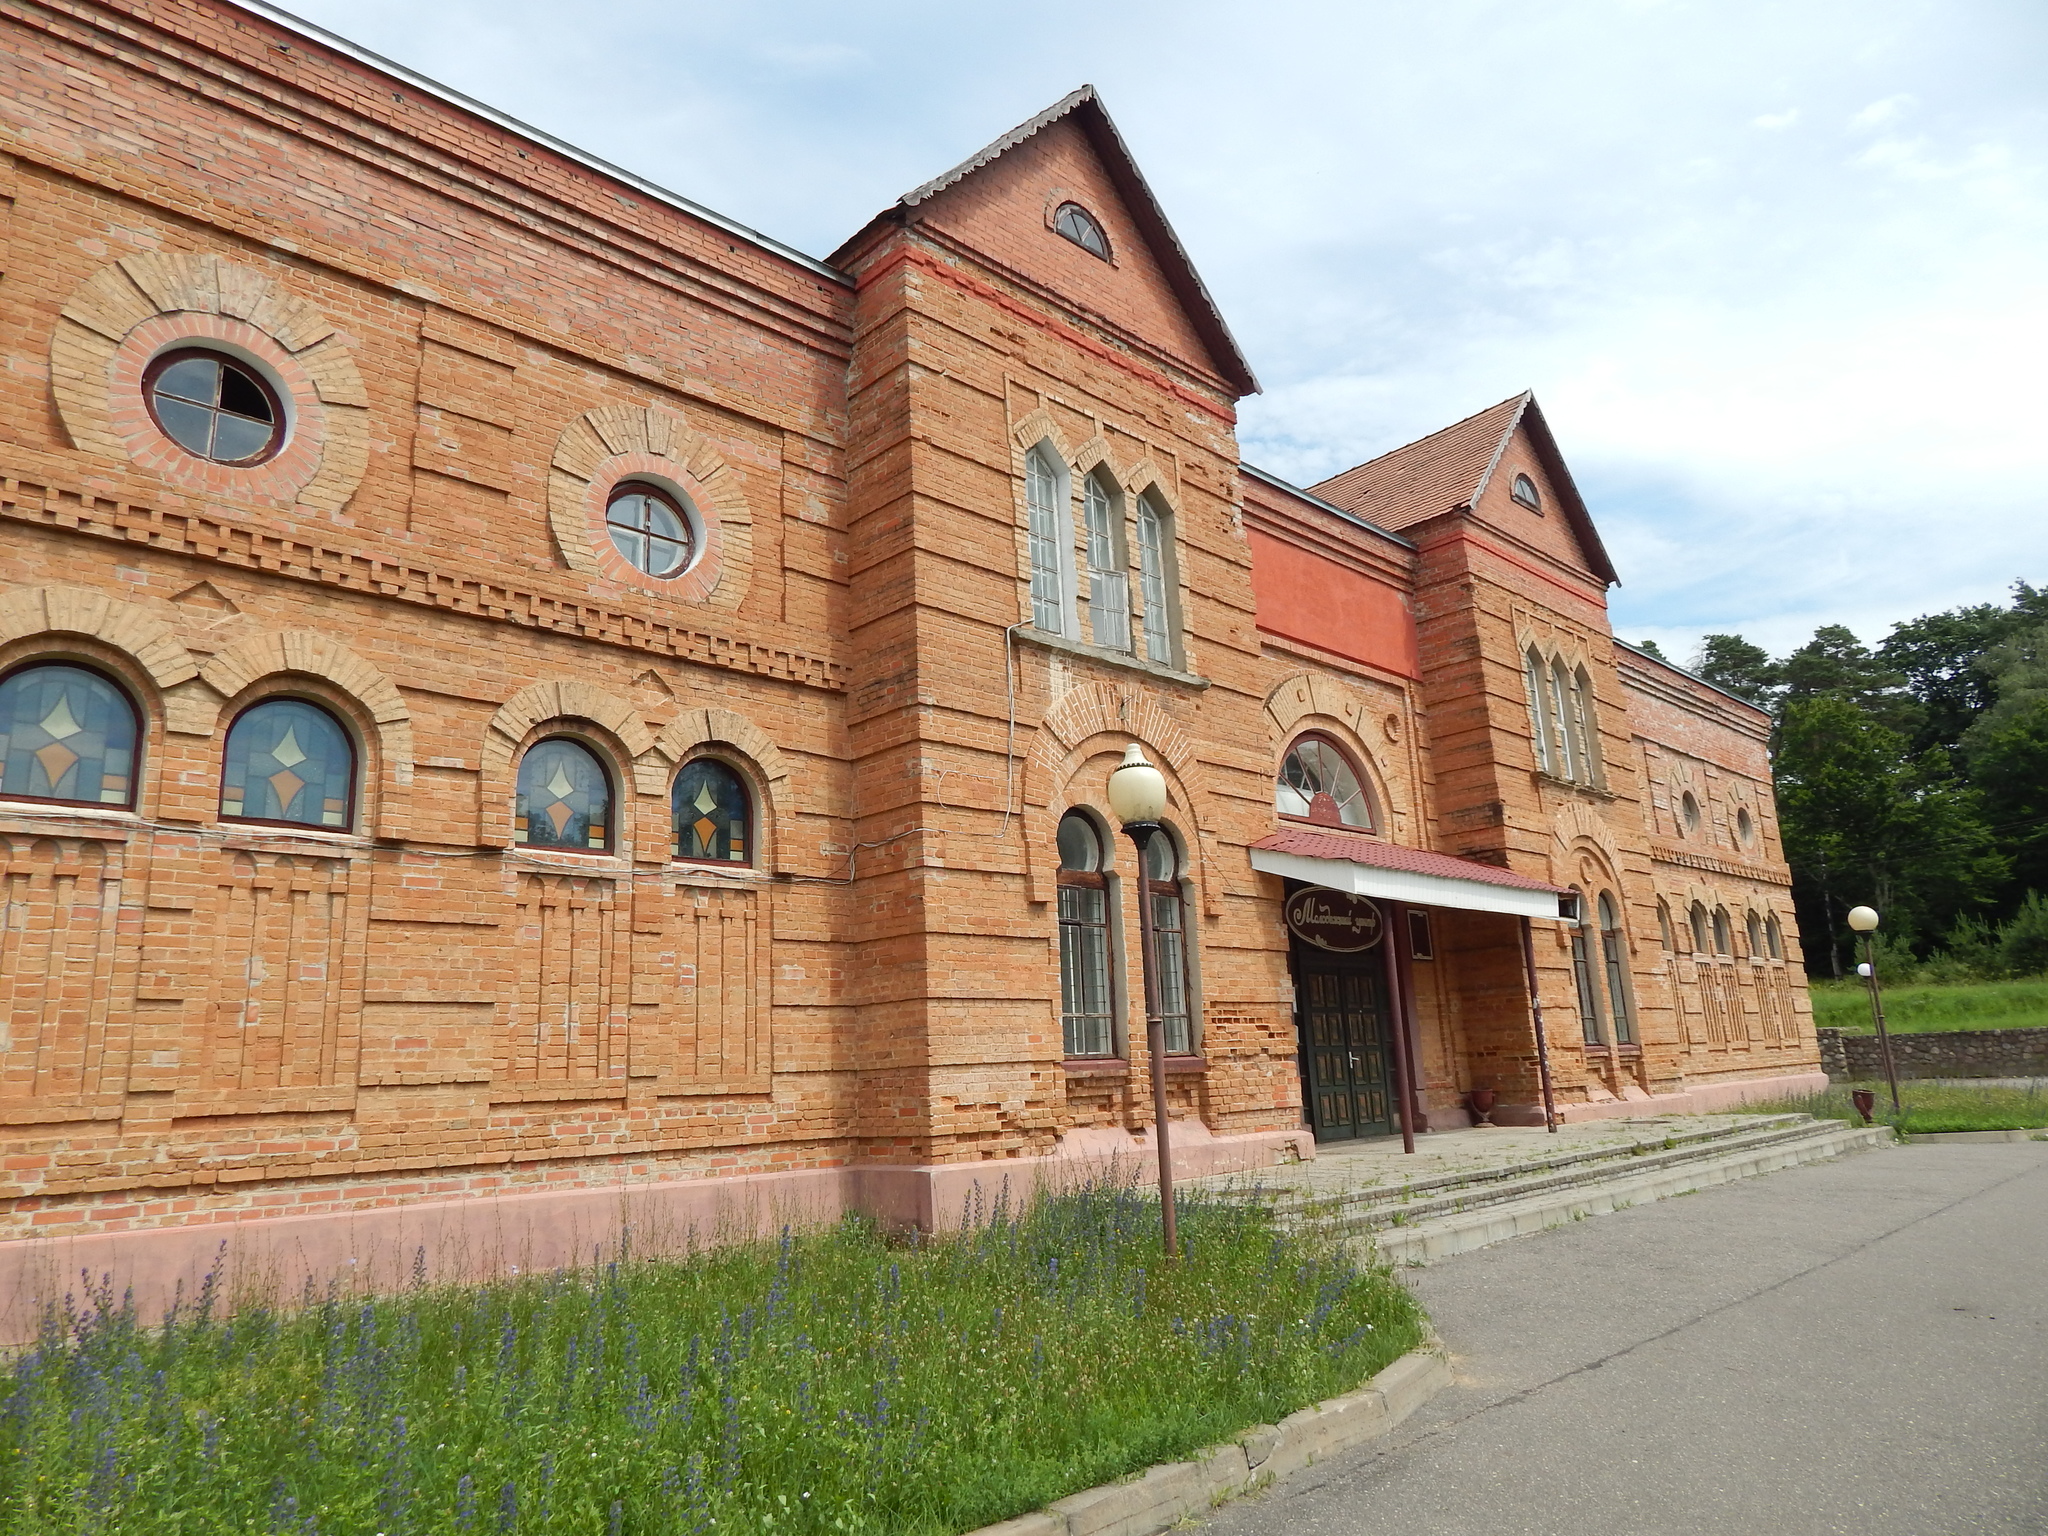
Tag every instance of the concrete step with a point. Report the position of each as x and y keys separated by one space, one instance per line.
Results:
x=1604 y=1186
x=1374 y=1206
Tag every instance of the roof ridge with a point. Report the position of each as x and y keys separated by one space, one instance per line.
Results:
x=1525 y=395
x=998 y=147
x=1507 y=436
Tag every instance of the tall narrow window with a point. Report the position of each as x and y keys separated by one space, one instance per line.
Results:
x=1155 y=582
x=66 y=734
x=564 y=799
x=712 y=814
x=1582 y=978
x=1109 y=585
x=1584 y=724
x=1614 y=950
x=1317 y=783
x=1722 y=945
x=1755 y=925
x=1774 y=936
x=1169 y=936
x=1702 y=942
x=1561 y=716
x=1539 y=712
x=288 y=761
x=1084 y=940
x=1045 y=536
x=1664 y=925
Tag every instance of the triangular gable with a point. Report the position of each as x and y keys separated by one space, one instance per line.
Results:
x=1084 y=112
x=1449 y=471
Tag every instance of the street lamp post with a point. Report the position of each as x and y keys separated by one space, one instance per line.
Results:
x=1864 y=921
x=1137 y=798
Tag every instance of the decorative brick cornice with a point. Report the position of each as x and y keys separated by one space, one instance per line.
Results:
x=225 y=542
x=1762 y=874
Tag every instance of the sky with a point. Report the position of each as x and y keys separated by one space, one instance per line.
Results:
x=1777 y=270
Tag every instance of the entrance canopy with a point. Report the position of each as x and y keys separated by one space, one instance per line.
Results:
x=1366 y=868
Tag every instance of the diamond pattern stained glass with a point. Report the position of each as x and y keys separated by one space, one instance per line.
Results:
x=289 y=761
x=66 y=734
x=564 y=798
x=718 y=831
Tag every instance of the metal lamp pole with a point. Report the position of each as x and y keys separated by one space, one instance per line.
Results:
x=1864 y=920
x=1137 y=798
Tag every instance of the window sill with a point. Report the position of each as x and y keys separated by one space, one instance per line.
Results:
x=1577 y=786
x=1096 y=1066
x=1061 y=643
x=1187 y=1064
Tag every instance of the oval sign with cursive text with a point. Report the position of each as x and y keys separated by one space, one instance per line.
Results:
x=1333 y=920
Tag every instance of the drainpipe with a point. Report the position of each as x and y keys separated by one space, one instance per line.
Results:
x=1542 y=1042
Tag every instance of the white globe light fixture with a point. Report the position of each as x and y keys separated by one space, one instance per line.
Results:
x=1864 y=920
x=1137 y=790
x=1137 y=799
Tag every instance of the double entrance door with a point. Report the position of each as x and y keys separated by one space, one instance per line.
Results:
x=1344 y=1029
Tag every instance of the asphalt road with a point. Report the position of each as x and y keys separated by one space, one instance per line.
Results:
x=1858 y=1346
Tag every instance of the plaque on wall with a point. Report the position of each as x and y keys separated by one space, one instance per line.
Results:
x=1334 y=920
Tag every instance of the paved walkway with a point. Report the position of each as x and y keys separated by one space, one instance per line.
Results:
x=1857 y=1347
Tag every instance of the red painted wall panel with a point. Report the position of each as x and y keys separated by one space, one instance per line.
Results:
x=1306 y=598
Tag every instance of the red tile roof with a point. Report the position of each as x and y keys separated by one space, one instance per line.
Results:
x=1432 y=475
x=1307 y=844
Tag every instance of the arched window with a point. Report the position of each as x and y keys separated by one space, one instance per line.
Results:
x=1702 y=943
x=1582 y=975
x=289 y=761
x=1109 y=584
x=1614 y=951
x=1664 y=926
x=1774 y=936
x=1156 y=579
x=1170 y=940
x=68 y=735
x=713 y=814
x=1085 y=1015
x=1080 y=226
x=1539 y=711
x=1561 y=721
x=1755 y=926
x=215 y=407
x=1722 y=943
x=1689 y=812
x=1045 y=499
x=1317 y=783
x=1586 y=727
x=564 y=799
x=1524 y=490
x=1745 y=825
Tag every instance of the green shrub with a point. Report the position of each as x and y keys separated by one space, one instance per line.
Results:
x=2023 y=942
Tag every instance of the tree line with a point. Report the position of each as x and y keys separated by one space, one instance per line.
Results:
x=1913 y=778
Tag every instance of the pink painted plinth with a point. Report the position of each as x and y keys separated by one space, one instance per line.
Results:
x=481 y=1236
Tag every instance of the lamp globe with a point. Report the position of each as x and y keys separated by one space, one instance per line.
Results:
x=1137 y=790
x=1863 y=919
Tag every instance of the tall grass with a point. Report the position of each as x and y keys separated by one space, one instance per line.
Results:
x=832 y=1382
x=1921 y=1009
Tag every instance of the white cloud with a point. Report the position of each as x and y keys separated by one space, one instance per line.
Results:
x=1776 y=120
x=1879 y=113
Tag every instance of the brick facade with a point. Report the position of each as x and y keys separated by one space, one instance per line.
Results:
x=476 y=336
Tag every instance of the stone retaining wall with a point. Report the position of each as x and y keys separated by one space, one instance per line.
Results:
x=1950 y=1053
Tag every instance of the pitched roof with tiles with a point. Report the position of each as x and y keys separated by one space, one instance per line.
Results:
x=1449 y=470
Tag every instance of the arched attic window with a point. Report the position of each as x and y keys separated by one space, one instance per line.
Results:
x=1524 y=490
x=1080 y=226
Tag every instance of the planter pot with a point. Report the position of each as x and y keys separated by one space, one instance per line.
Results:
x=1481 y=1102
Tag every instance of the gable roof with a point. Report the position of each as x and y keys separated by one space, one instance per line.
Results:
x=1092 y=118
x=1448 y=471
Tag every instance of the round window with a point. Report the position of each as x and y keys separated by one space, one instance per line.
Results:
x=650 y=529
x=215 y=407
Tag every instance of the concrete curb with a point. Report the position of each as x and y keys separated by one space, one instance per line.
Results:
x=1968 y=1136
x=1163 y=1496
x=1442 y=1236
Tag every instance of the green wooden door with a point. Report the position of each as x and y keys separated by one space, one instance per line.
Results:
x=1343 y=1026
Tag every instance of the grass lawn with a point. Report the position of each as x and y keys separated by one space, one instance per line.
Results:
x=1916 y=1009
x=834 y=1382
x=1929 y=1107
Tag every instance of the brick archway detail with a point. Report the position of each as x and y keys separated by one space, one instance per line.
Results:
x=616 y=442
x=127 y=627
x=1307 y=702
x=563 y=699
x=138 y=304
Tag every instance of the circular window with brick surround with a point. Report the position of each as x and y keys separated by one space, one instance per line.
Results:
x=653 y=528
x=215 y=407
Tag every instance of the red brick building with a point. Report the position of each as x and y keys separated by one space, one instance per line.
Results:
x=516 y=686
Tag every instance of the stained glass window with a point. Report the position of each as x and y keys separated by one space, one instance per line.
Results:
x=288 y=760
x=1317 y=783
x=66 y=734
x=564 y=798
x=712 y=818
